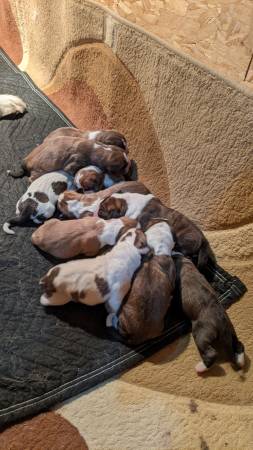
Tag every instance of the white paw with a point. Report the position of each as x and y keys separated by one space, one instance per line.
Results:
x=240 y=359
x=200 y=367
x=112 y=320
x=10 y=104
x=44 y=300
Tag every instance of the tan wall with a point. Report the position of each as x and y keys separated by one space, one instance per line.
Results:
x=203 y=125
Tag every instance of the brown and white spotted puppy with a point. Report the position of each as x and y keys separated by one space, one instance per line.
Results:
x=70 y=153
x=211 y=327
x=39 y=201
x=11 y=104
x=70 y=238
x=104 y=279
x=143 y=314
x=92 y=179
x=189 y=239
x=76 y=205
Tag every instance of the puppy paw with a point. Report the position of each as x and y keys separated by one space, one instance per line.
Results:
x=10 y=104
x=44 y=300
x=112 y=320
x=200 y=368
x=240 y=359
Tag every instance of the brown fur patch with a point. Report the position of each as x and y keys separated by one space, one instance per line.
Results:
x=59 y=187
x=48 y=281
x=41 y=197
x=102 y=285
x=140 y=240
x=112 y=208
x=75 y=296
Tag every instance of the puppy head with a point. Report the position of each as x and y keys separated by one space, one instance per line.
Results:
x=112 y=208
x=89 y=179
x=116 y=162
x=111 y=137
x=137 y=238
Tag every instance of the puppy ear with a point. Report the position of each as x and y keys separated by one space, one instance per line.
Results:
x=123 y=207
x=140 y=240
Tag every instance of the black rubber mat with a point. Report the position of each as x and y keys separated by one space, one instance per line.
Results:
x=50 y=355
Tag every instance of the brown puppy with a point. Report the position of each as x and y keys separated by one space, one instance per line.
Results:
x=142 y=315
x=91 y=178
x=67 y=239
x=107 y=137
x=70 y=153
x=75 y=205
x=189 y=239
x=211 y=326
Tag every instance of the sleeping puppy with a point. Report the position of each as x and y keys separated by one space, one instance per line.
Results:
x=189 y=239
x=75 y=205
x=38 y=202
x=91 y=178
x=70 y=153
x=142 y=315
x=211 y=326
x=10 y=104
x=104 y=279
x=69 y=238
x=107 y=137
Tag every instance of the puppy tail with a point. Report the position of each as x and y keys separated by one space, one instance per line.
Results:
x=238 y=352
x=17 y=220
x=205 y=256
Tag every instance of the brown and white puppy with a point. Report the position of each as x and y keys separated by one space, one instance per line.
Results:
x=211 y=327
x=70 y=238
x=91 y=178
x=11 y=104
x=39 y=201
x=70 y=153
x=76 y=205
x=189 y=239
x=107 y=137
x=142 y=315
x=104 y=279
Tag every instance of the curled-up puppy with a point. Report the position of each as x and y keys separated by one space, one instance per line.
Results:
x=11 y=104
x=189 y=239
x=107 y=137
x=142 y=315
x=89 y=179
x=211 y=327
x=39 y=201
x=70 y=154
x=92 y=179
x=106 y=278
x=66 y=239
x=76 y=205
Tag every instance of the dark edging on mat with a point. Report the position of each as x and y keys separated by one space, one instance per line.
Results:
x=49 y=355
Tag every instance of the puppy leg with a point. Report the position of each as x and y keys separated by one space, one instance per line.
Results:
x=54 y=300
x=203 y=339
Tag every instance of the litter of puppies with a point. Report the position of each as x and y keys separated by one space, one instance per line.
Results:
x=155 y=250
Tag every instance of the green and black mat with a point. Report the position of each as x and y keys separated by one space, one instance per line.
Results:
x=50 y=355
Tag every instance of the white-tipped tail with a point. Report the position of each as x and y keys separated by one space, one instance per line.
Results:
x=240 y=359
x=7 y=229
x=200 y=367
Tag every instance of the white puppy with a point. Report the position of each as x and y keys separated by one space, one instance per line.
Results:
x=10 y=104
x=104 y=279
